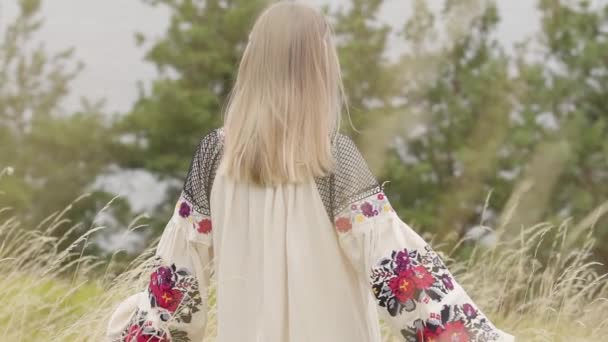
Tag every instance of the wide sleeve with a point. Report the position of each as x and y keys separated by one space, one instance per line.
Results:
x=173 y=306
x=415 y=292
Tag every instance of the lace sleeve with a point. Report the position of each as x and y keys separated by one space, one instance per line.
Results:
x=415 y=292
x=198 y=183
x=350 y=181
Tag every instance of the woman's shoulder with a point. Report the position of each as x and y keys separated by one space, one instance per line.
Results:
x=347 y=153
x=215 y=135
x=212 y=140
x=342 y=141
x=210 y=144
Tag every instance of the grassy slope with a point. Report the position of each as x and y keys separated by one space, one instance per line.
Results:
x=561 y=300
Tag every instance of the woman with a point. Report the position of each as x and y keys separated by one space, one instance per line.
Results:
x=284 y=211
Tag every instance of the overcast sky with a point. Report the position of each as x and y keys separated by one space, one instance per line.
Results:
x=102 y=32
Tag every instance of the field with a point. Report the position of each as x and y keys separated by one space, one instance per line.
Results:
x=55 y=294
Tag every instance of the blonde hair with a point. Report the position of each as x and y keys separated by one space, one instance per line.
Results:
x=285 y=106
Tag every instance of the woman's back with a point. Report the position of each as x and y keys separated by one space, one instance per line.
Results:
x=313 y=261
x=283 y=212
x=280 y=272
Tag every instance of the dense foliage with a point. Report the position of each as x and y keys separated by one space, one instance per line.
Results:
x=453 y=118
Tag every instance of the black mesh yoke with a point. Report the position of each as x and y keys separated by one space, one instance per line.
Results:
x=351 y=180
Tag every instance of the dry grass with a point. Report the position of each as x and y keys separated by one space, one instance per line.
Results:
x=59 y=295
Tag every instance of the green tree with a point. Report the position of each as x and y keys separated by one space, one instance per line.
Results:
x=441 y=175
x=533 y=137
x=197 y=60
x=367 y=74
x=568 y=86
x=56 y=155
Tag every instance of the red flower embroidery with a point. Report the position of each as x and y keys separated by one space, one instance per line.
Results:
x=380 y=196
x=204 y=226
x=403 y=286
x=343 y=224
x=170 y=300
x=422 y=277
x=136 y=334
x=428 y=335
x=134 y=331
x=454 y=332
x=162 y=289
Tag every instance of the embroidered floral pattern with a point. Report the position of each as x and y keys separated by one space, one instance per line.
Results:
x=204 y=226
x=141 y=330
x=409 y=277
x=199 y=222
x=162 y=290
x=363 y=210
x=184 y=209
x=343 y=224
x=454 y=323
x=174 y=293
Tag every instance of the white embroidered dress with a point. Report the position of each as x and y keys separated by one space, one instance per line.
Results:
x=313 y=262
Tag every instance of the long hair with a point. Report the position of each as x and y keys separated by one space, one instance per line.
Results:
x=285 y=106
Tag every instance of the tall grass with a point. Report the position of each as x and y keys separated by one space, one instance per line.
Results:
x=52 y=294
